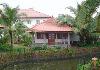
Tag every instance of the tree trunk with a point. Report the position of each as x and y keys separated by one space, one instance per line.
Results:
x=11 y=39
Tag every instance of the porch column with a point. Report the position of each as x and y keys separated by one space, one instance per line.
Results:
x=44 y=37
x=68 y=39
x=56 y=35
x=55 y=38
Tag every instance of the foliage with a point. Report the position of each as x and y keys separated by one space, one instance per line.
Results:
x=96 y=44
x=98 y=23
x=98 y=62
x=5 y=48
x=65 y=19
x=26 y=39
x=20 y=31
x=57 y=47
x=83 y=23
x=89 y=66
x=15 y=30
x=4 y=36
x=31 y=53
x=84 y=19
x=9 y=17
x=84 y=67
x=38 y=48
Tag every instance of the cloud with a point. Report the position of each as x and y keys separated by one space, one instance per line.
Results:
x=50 y=7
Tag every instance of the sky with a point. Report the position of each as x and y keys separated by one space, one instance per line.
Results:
x=49 y=7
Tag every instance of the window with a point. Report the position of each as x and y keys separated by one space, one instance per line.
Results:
x=61 y=35
x=47 y=35
x=28 y=21
x=40 y=36
x=37 y=21
x=65 y=35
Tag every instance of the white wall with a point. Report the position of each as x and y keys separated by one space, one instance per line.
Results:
x=32 y=21
x=46 y=40
x=41 y=40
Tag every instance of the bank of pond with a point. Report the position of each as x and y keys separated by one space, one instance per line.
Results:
x=53 y=58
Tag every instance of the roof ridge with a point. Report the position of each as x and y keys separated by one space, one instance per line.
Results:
x=33 y=13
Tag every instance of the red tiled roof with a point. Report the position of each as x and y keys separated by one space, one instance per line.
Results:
x=30 y=13
x=50 y=25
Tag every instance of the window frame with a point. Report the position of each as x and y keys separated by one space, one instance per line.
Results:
x=40 y=35
x=62 y=35
x=37 y=21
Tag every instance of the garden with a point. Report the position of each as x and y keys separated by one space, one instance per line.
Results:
x=16 y=44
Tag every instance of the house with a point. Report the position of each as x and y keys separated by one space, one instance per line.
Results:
x=32 y=16
x=52 y=33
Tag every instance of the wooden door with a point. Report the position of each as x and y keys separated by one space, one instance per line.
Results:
x=51 y=38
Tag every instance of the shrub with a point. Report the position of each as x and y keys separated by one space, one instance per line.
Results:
x=5 y=47
x=97 y=44
x=38 y=48
x=57 y=47
x=84 y=67
x=26 y=39
x=44 y=46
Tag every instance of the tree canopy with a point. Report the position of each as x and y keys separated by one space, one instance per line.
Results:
x=84 y=24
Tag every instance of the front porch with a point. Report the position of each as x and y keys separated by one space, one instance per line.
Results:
x=52 y=38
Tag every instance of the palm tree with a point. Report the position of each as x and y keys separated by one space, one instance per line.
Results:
x=98 y=23
x=9 y=17
x=84 y=24
x=20 y=29
x=65 y=19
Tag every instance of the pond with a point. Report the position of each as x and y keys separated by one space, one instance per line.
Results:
x=70 y=64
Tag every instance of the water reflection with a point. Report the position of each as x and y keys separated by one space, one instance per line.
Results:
x=51 y=65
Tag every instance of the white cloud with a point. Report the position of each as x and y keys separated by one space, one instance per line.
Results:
x=50 y=7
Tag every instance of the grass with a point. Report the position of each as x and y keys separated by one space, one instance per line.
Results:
x=22 y=49
x=19 y=46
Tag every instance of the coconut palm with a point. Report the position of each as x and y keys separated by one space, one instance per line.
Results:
x=84 y=24
x=20 y=29
x=9 y=17
x=66 y=19
x=98 y=23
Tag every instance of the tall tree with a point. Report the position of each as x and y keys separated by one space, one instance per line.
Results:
x=84 y=24
x=66 y=19
x=9 y=17
x=84 y=19
x=98 y=23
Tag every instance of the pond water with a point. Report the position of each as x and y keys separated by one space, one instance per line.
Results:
x=70 y=64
